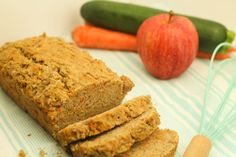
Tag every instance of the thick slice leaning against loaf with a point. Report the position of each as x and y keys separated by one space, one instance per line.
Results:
x=120 y=139
x=161 y=143
x=56 y=83
x=105 y=121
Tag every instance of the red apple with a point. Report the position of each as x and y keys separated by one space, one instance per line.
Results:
x=167 y=45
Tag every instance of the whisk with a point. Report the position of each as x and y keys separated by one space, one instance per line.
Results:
x=213 y=127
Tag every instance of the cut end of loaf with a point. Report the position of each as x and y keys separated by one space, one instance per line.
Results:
x=161 y=143
x=121 y=138
x=104 y=121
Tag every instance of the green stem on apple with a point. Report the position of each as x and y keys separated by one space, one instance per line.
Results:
x=171 y=14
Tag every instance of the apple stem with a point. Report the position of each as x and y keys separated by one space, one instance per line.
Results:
x=171 y=14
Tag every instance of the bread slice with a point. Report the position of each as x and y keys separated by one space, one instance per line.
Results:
x=104 y=121
x=162 y=143
x=58 y=84
x=120 y=139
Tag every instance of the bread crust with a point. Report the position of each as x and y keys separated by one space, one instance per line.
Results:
x=104 y=121
x=120 y=139
x=162 y=143
x=58 y=84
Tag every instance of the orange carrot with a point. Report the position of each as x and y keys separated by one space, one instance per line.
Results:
x=218 y=56
x=94 y=37
x=231 y=50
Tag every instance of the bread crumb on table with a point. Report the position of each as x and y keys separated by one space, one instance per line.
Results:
x=42 y=153
x=21 y=153
x=59 y=155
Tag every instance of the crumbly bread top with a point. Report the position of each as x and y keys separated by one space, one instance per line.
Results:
x=161 y=143
x=104 y=121
x=51 y=70
x=120 y=139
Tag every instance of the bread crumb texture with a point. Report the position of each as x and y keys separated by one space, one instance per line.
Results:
x=105 y=121
x=57 y=83
x=42 y=153
x=120 y=139
x=161 y=143
x=21 y=153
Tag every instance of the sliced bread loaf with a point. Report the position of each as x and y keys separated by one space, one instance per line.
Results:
x=105 y=121
x=56 y=83
x=120 y=139
x=161 y=143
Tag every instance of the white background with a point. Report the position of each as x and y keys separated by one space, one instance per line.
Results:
x=24 y=18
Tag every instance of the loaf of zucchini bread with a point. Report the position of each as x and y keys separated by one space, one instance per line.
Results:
x=58 y=84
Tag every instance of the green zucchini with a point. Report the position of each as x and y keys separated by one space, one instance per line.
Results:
x=128 y=17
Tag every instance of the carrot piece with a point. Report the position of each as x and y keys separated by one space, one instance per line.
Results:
x=218 y=56
x=90 y=36
x=94 y=37
x=230 y=50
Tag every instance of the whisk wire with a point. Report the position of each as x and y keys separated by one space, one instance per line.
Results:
x=214 y=119
x=208 y=86
x=225 y=127
x=230 y=117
